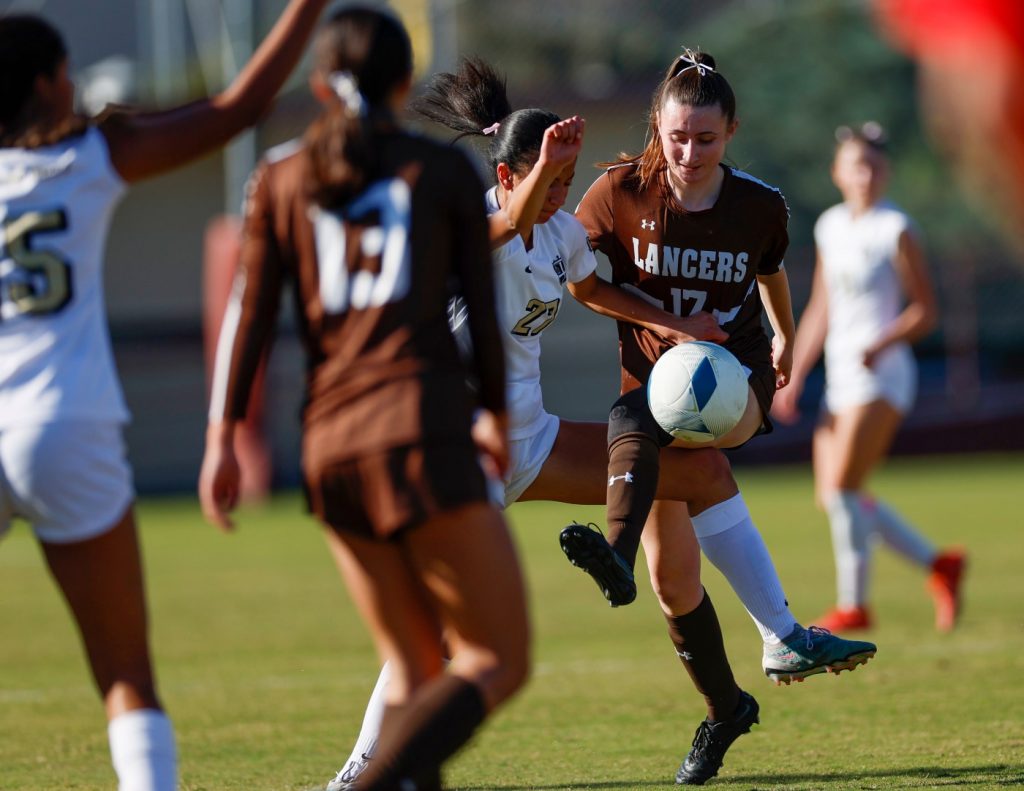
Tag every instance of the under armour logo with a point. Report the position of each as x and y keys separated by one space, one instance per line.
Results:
x=647 y=225
x=686 y=655
x=628 y=478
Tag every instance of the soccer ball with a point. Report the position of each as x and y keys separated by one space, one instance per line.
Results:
x=697 y=391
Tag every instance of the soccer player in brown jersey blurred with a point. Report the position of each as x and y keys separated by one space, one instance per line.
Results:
x=702 y=240
x=63 y=464
x=375 y=226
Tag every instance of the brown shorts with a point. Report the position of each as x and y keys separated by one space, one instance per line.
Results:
x=380 y=494
x=762 y=382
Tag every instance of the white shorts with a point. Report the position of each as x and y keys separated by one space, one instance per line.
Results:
x=527 y=457
x=70 y=479
x=893 y=378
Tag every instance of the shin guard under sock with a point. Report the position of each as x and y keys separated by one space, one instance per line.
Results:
x=632 y=484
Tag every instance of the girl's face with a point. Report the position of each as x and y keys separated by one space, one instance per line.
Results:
x=693 y=140
x=557 y=192
x=861 y=173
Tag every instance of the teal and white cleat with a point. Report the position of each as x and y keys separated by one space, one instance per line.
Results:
x=805 y=652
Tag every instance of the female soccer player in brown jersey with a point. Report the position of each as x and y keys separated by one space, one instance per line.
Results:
x=703 y=240
x=375 y=226
x=63 y=465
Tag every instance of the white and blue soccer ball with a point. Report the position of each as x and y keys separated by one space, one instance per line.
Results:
x=697 y=391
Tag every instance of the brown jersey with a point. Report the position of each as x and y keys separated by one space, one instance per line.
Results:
x=685 y=262
x=371 y=285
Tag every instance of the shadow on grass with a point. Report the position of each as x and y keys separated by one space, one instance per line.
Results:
x=989 y=775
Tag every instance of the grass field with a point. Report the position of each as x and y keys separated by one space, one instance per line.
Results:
x=265 y=667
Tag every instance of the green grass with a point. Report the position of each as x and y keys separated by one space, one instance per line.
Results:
x=265 y=667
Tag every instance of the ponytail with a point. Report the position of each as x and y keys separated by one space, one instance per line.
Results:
x=363 y=54
x=473 y=101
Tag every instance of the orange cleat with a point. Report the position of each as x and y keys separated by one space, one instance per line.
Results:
x=840 y=620
x=944 y=585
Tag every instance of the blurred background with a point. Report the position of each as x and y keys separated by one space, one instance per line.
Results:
x=799 y=68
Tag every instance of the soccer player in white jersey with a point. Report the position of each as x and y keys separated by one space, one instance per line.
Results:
x=539 y=251
x=871 y=298
x=62 y=455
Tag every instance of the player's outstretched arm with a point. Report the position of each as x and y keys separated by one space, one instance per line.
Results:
x=609 y=300
x=558 y=151
x=146 y=144
x=920 y=315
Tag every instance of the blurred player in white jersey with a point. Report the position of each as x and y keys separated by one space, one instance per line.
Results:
x=872 y=297
x=62 y=455
x=539 y=251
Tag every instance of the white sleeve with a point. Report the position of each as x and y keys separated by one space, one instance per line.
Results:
x=582 y=262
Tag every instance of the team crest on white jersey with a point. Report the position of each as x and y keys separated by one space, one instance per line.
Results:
x=647 y=225
x=559 y=266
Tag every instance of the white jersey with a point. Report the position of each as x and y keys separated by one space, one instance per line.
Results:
x=529 y=285
x=55 y=355
x=864 y=291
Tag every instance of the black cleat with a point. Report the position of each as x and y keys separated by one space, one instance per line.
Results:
x=713 y=739
x=588 y=549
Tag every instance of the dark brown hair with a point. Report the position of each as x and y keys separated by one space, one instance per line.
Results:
x=690 y=85
x=475 y=98
x=372 y=49
x=29 y=47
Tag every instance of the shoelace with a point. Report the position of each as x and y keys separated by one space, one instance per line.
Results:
x=703 y=740
x=812 y=632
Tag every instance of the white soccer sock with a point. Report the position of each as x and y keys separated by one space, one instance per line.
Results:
x=732 y=542
x=369 y=733
x=900 y=534
x=851 y=544
x=143 y=752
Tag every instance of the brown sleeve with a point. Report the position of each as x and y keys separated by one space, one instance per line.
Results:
x=472 y=266
x=595 y=213
x=251 y=316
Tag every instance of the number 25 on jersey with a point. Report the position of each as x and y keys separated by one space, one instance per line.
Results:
x=32 y=281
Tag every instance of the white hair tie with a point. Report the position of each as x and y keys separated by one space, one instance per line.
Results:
x=492 y=129
x=702 y=68
x=344 y=85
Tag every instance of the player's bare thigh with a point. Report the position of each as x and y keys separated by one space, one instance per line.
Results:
x=458 y=572
x=576 y=471
x=673 y=557
x=747 y=427
x=102 y=580
x=861 y=438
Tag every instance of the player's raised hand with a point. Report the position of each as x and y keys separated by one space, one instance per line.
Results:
x=562 y=142
x=220 y=477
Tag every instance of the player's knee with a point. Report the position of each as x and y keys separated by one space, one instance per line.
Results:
x=498 y=673
x=678 y=592
x=630 y=416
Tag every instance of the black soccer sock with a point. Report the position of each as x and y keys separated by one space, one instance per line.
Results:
x=417 y=738
x=632 y=484
x=698 y=640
